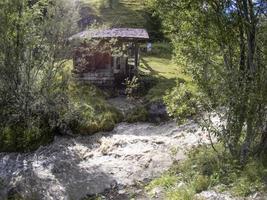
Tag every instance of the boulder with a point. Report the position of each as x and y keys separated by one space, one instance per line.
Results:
x=157 y=112
x=213 y=195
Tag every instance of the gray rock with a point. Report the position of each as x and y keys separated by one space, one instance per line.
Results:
x=181 y=185
x=157 y=112
x=157 y=192
x=123 y=104
x=213 y=195
x=257 y=196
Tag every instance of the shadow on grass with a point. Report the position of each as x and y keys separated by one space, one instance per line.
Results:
x=162 y=87
x=149 y=68
x=156 y=84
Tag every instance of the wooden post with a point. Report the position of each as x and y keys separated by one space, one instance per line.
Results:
x=136 y=52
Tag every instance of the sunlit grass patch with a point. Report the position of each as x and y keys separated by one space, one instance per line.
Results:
x=160 y=66
x=205 y=169
x=166 y=181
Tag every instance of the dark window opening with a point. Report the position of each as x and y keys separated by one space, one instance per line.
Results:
x=118 y=63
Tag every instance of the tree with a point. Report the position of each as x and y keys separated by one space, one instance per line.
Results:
x=223 y=44
x=32 y=82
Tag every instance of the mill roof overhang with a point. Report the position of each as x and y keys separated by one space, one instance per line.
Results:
x=128 y=34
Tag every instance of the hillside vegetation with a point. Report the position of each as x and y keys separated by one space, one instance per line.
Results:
x=119 y=13
x=122 y=13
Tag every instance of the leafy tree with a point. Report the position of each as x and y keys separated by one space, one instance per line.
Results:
x=223 y=44
x=32 y=81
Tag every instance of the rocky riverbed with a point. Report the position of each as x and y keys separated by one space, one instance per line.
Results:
x=72 y=168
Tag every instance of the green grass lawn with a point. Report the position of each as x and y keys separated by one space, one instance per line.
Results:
x=159 y=67
x=165 y=71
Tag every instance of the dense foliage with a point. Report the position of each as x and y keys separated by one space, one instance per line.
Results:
x=223 y=45
x=182 y=102
x=33 y=101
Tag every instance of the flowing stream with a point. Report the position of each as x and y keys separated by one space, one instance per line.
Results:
x=72 y=168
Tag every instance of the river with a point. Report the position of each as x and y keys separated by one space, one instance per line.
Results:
x=71 y=168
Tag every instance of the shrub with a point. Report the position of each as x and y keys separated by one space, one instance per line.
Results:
x=251 y=179
x=132 y=87
x=147 y=83
x=18 y=137
x=92 y=122
x=182 y=101
x=85 y=111
x=33 y=96
x=160 y=89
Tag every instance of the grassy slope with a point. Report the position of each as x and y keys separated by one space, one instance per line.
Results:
x=206 y=170
x=124 y=13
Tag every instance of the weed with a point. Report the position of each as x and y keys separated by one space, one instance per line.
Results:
x=166 y=181
x=180 y=194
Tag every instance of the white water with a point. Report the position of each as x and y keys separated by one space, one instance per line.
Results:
x=71 y=168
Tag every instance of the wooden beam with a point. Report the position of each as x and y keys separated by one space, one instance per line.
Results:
x=136 y=53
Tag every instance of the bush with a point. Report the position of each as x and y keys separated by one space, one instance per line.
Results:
x=166 y=181
x=160 y=89
x=84 y=111
x=92 y=123
x=33 y=84
x=147 y=83
x=132 y=89
x=251 y=179
x=182 y=101
x=21 y=138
